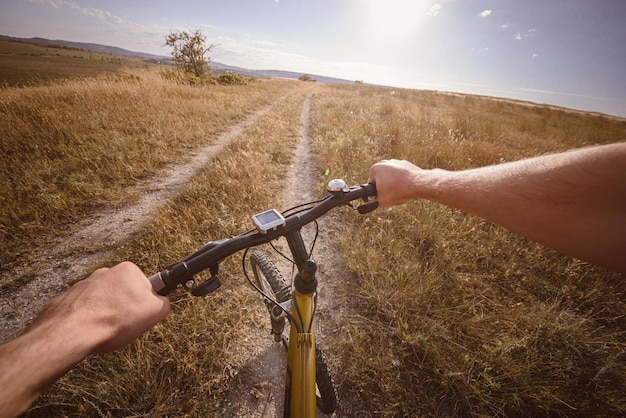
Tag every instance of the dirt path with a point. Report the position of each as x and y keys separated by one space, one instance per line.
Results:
x=257 y=391
x=74 y=253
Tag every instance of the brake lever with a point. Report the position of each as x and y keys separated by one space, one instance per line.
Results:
x=207 y=287
x=210 y=285
x=367 y=208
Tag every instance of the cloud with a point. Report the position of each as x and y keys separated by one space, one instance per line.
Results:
x=99 y=14
x=522 y=35
x=563 y=93
x=504 y=26
x=264 y=43
x=535 y=55
x=111 y=29
x=434 y=10
x=485 y=13
x=246 y=51
x=57 y=4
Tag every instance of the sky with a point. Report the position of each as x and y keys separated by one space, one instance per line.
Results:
x=569 y=53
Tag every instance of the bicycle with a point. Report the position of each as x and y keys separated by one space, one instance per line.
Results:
x=295 y=301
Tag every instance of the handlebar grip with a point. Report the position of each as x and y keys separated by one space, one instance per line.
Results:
x=371 y=189
x=159 y=286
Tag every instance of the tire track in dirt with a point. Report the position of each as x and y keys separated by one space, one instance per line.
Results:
x=73 y=254
x=258 y=390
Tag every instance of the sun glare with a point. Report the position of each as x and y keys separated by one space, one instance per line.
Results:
x=396 y=19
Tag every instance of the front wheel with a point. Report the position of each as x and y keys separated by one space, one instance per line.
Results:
x=276 y=290
x=268 y=278
x=327 y=396
x=272 y=283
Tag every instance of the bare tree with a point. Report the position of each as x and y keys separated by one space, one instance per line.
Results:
x=189 y=51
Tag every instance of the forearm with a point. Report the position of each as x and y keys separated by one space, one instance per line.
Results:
x=31 y=363
x=574 y=202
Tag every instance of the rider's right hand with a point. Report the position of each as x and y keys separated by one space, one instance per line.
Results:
x=398 y=181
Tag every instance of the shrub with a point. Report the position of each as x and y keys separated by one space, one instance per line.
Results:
x=233 y=78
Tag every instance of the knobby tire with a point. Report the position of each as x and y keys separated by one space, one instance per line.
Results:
x=269 y=279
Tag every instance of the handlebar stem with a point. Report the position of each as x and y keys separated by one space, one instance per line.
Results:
x=298 y=250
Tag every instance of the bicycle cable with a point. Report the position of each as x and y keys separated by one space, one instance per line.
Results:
x=292 y=211
x=288 y=212
x=311 y=247
x=302 y=205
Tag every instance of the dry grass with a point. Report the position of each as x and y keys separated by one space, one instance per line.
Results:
x=451 y=316
x=183 y=367
x=456 y=316
x=75 y=146
x=23 y=63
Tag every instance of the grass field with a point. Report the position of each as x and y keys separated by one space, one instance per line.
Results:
x=462 y=318
x=71 y=147
x=448 y=315
x=23 y=63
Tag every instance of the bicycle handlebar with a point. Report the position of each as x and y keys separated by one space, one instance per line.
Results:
x=211 y=254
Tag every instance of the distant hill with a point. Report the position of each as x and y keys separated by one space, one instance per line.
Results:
x=277 y=74
x=219 y=67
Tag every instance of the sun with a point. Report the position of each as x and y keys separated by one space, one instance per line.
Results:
x=394 y=20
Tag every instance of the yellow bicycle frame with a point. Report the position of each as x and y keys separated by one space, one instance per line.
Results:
x=300 y=397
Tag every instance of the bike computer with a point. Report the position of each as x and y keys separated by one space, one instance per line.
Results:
x=268 y=220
